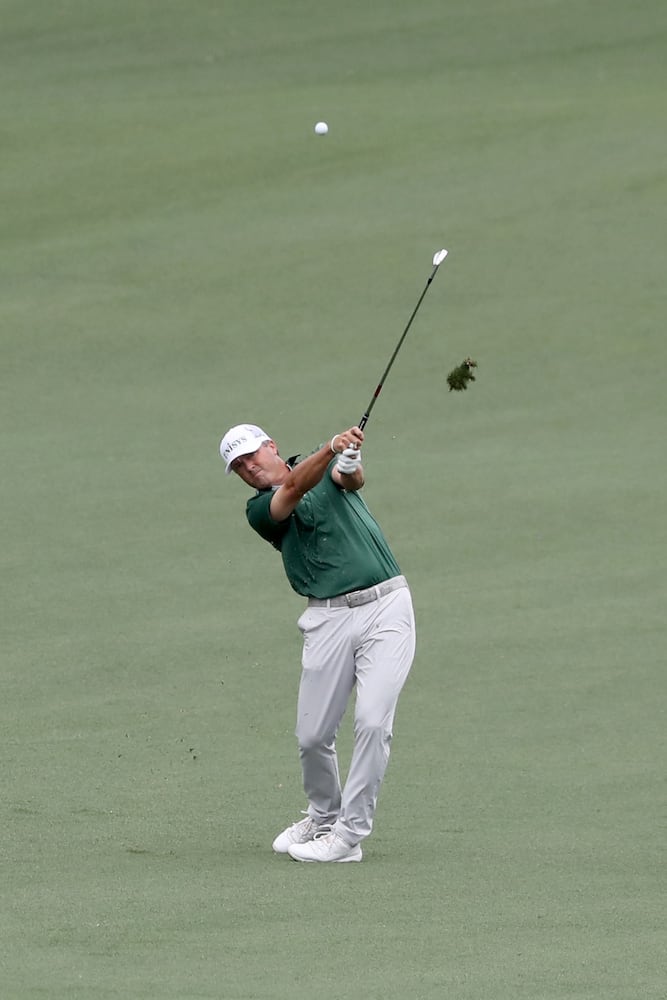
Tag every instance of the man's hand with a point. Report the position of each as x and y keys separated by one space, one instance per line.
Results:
x=352 y=438
x=348 y=472
x=349 y=461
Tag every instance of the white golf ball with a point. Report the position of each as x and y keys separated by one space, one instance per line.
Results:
x=321 y=128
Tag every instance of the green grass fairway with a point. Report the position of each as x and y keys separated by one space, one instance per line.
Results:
x=180 y=252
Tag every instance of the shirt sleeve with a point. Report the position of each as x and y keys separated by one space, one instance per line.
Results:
x=260 y=520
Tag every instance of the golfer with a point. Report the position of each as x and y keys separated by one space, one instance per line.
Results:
x=358 y=626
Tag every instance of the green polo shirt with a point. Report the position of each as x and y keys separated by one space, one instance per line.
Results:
x=330 y=544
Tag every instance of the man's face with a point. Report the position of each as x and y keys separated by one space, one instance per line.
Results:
x=262 y=468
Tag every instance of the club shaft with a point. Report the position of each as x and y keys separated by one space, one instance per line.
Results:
x=369 y=408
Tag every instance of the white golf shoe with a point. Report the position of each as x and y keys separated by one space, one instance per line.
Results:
x=298 y=833
x=325 y=846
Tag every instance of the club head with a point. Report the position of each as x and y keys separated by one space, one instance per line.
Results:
x=439 y=257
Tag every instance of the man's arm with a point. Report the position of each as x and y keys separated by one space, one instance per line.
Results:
x=309 y=472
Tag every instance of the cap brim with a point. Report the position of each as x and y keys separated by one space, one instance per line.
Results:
x=244 y=451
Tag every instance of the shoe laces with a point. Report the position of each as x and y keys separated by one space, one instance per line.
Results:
x=322 y=829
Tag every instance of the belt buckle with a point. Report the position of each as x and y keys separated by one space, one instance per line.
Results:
x=359 y=597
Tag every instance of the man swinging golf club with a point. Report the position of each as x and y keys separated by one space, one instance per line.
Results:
x=358 y=626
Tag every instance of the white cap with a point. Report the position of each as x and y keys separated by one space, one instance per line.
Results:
x=241 y=440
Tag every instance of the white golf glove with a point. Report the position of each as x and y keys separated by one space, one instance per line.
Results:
x=349 y=461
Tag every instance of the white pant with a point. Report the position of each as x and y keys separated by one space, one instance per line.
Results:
x=372 y=645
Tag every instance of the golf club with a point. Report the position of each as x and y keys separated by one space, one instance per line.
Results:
x=437 y=261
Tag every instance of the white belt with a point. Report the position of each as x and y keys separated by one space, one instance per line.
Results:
x=357 y=597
